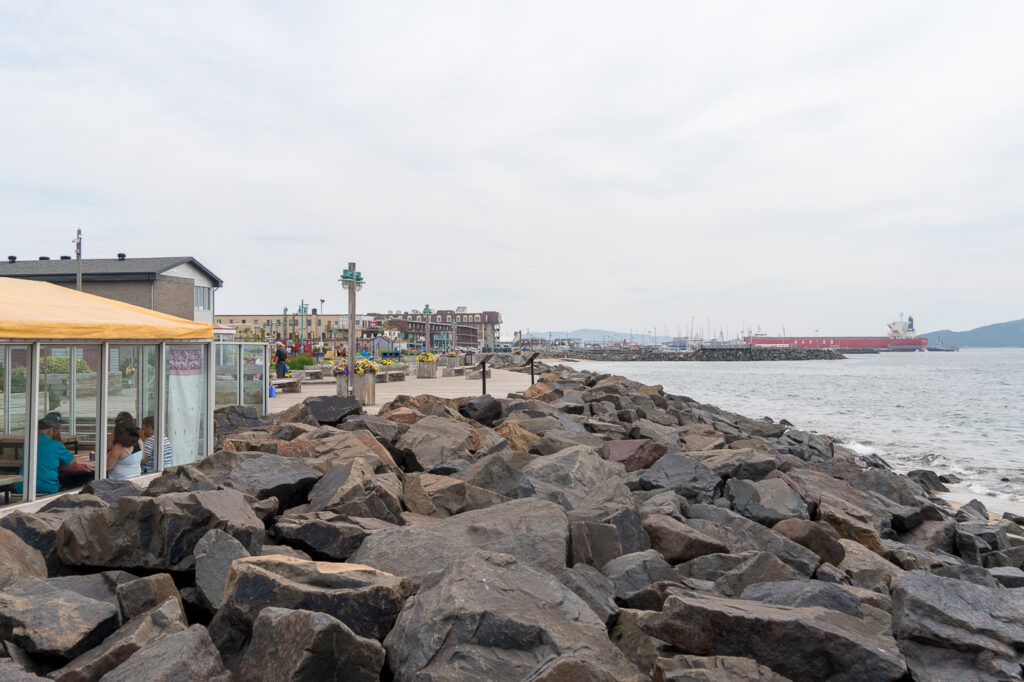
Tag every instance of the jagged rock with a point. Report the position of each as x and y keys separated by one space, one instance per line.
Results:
x=214 y=553
x=538 y=426
x=814 y=537
x=180 y=479
x=741 y=534
x=681 y=473
x=39 y=530
x=594 y=588
x=932 y=536
x=555 y=441
x=432 y=441
x=571 y=668
x=666 y=435
x=572 y=473
x=828 y=573
x=944 y=616
x=111 y=489
x=441 y=496
x=490 y=616
x=285 y=478
x=534 y=531
x=326 y=535
x=136 y=597
x=483 y=409
x=744 y=463
x=308 y=646
x=1008 y=576
x=364 y=599
x=497 y=474
x=762 y=567
x=605 y=525
x=972 y=511
x=164 y=619
x=818 y=643
x=928 y=480
x=99 y=586
x=18 y=560
x=767 y=501
x=289 y=431
x=233 y=418
x=636 y=454
x=697 y=442
x=386 y=431
x=678 y=542
x=51 y=624
x=968 y=573
x=10 y=671
x=867 y=569
x=518 y=438
x=801 y=593
x=633 y=572
x=185 y=655
x=713 y=669
x=354 y=490
x=157 y=532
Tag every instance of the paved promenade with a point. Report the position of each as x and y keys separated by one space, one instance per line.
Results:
x=500 y=384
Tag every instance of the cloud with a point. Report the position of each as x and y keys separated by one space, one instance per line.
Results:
x=569 y=164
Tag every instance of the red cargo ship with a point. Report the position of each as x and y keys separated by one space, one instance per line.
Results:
x=901 y=338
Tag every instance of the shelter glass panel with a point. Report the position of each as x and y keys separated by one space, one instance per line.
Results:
x=85 y=379
x=228 y=376
x=186 y=401
x=124 y=400
x=12 y=420
x=253 y=376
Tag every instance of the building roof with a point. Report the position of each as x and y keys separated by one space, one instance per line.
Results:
x=41 y=310
x=100 y=269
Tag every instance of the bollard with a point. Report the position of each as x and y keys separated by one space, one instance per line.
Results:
x=483 y=374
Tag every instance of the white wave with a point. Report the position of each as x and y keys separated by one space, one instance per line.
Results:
x=863 y=448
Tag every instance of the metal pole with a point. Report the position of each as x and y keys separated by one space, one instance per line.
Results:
x=531 y=370
x=30 y=452
x=351 y=327
x=483 y=366
x=78 y=259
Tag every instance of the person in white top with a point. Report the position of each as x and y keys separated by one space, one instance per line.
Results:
x=167 y=453
x=121 y=461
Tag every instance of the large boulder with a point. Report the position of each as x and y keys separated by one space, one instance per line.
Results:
x=867 y=569
x=681 y=473
x=807 y=643
x=636 y=454
x=327 y=536
x=287 y=479
x=498 y=474
x=801 y=593
x=956 y=625
x=164 y=619
x=492 y=617
x=678 y=542
x=762 y=567
x=214 y=554
x=568 y=475
x=483 y=409
x=111 y=489
x=744 y=463
x=157 y=533
x=353 y=489
x=605 y=525
x=432 y=441
x=19 y=560
x=767 y=501
x=534 y=531
x=559 y=439
x=39 y=530
x=185 y=655
x=634 y=572
x=593 y=587
x=740 y=534
x=713 y=669
x=386 y=432
x=366 y=600
x=814 y=537
x=308 y=646
x=51 y=624
x=440 y=496
x=99 y=586
x=136 y=597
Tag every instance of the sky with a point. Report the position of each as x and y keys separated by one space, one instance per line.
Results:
x=813 y=166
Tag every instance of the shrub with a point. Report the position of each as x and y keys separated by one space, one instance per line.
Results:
x=300 y=361
x=55 y=365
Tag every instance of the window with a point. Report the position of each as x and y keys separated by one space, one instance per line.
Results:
x=203 y=296
x=243 y=320
x=477 y=318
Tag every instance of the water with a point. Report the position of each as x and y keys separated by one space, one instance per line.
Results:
x=960 y=413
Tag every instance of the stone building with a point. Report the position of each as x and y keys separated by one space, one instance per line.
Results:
x=176 y=285
x=487 y=324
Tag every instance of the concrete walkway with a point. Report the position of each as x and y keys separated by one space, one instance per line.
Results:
x=500 y=384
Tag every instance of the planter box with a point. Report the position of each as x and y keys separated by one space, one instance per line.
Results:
x=426 y=370
x=364 y=388
x=341 y=388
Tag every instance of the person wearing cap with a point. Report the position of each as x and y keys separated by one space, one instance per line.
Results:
x=50 y=455
x=281 y=355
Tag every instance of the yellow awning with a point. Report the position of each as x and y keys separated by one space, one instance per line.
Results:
x=40 y=310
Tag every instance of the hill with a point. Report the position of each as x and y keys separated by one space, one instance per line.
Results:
x=999 y=335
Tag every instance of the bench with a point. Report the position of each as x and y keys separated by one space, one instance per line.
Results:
x=7 y=486
x=453 y=371
x=386 y=375
x=287 y=385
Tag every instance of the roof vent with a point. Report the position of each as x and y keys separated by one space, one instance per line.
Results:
x=44 y=258
x=65 y=257
x=120 y=256
x=11 y=259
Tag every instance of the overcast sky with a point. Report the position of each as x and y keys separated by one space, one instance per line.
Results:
x=814 y=165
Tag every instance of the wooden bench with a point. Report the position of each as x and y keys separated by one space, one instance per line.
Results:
x=287 y=385
x=386 y=375
x=7 y=486
x=453 y=371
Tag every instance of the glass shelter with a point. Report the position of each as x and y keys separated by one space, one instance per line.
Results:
x=71 y=363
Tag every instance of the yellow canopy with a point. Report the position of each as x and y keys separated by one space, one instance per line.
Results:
x=40 y=310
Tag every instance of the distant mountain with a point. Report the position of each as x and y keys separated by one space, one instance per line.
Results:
x=601 y=336
x=990 y=336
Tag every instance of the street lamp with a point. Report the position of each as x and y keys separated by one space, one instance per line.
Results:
x=352 y=281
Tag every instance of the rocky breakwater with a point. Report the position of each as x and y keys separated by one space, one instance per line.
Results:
x=591 y=528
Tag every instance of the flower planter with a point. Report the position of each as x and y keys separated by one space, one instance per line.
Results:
x=364 y=388
x=426 y=370
x=342 y=388
x=452 y=362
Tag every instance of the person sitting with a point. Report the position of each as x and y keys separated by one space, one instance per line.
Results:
x=122 y=460
x=167 y=453
x=50 y=455
x=125 y=418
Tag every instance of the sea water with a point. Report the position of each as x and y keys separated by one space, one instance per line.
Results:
x=960 y=413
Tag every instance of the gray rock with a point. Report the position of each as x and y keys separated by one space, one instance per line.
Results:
x=432 y=495
x=332 y=409
x=801 y=593
x=19 y=560
x=432 y=441
x=136 y=597
x=39 y=530
x=762 y=567
x=969 y=573
x=100 y=586
x=819 y=643
x=286 y=478
x=534 y=531
x=483 y=409
x=767 y=502
x=559 y=439
x=867 y=569
x=932 y=536
x=665 y=502
x=678 y=542
x=814 y=537
x=353 y=489
x=53 y=624
x=495 y=473
x=972 y=511
x=185 y=655
x=577 y=469
x=711 y=567
x=681 y=473
x=594 y=588
x=741 y=534
x=713 y=669
x=308 y=646
x=633 y=572
x=745 y=463
x=1008 y=576
x=214 y=553
x=491 y=617
x=10 y=671
x=928 y=480
x=327 y=536
x=666 y=435
x=110 y=490
x=384 y=430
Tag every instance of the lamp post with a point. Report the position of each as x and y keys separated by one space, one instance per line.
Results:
x=320 y=321
x=352 y=281
x=284 y=326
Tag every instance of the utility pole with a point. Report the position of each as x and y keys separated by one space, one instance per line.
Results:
x=78 y=261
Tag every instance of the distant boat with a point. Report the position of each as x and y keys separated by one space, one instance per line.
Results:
x=939 y=347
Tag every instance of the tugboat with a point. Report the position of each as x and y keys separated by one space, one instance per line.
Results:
x=939 y=347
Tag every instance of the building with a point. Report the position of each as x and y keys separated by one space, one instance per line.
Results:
x=486 y=324
x=176 y=285
x=310 y=327
x=440 y=336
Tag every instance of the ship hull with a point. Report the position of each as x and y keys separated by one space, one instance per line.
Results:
x=879 y=343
